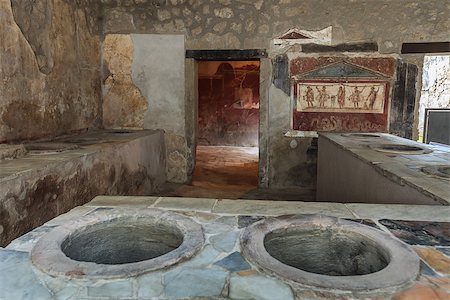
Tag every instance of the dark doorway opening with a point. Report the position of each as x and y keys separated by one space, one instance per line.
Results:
x=228 y=125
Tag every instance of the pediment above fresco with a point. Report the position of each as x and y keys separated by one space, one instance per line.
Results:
x=341 y=70
x=298 y=36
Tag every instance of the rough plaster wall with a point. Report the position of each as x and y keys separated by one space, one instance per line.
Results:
x=435 y=86
x=291 y=160
x=158 y=71
x=145 y=88
x=123 y=103
x=29 y=15
x=50 y=84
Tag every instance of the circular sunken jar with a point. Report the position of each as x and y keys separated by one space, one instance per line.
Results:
x=117 y=243
x=400 y=149
x=327 y=252
x=441 y=171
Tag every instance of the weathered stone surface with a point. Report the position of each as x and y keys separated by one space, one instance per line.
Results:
x=158 y=70
x=119 y=20
x=415 y=21
x=204 y=276
x=435 y=259
x=159 y=239
x=17 y=280
x=34 y=189
x=419 y=233
x=244 y=221
x=177 y=163
x=205 y=258
x=119 y=289
x=50 y=81
x=233 y=262
x=224 y=13
x=191 y=204
x=144 y=88
x=29 y=16
x=274 y=245
x=194 y=283
x=224 y=242
x=422 y=291
x=258 y=287
x=150 y=286
x=12 y=151
x=26 y=242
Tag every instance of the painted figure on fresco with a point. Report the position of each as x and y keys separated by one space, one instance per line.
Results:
x=309 y=97
x=323 y=96
x=341 y=96
x=333 y=100
x=355 y=97
x=372 y=97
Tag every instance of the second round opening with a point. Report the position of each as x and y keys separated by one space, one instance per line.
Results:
x=326 y=252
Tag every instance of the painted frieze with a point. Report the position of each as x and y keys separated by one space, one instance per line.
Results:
x=341 y=95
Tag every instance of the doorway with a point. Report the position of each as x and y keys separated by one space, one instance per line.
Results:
x=435 y=93
x=228 y=126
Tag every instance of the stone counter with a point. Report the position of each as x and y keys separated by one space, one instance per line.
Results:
x=219 y=271
x=351 y=169
x=42 y=185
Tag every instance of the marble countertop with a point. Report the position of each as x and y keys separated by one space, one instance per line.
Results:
x=227 y=274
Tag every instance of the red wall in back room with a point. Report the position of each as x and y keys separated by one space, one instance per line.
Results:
x=228 y=113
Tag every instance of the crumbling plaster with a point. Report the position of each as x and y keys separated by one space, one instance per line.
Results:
x=49 y=70
x=145 y=88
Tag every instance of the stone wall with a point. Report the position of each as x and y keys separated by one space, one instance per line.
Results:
x=49 y=70
x=240 y=24
x=286 y=160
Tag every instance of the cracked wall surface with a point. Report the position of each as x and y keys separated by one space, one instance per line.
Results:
x=144 y=88
x=50 y=77
x=123 y=103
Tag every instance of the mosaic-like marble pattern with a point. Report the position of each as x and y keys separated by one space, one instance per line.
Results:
x=219 y=271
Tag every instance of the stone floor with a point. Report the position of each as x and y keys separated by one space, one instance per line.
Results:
x=231 y=173
x=219 y=271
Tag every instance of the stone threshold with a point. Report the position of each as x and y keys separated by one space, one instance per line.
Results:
x=274 y=208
